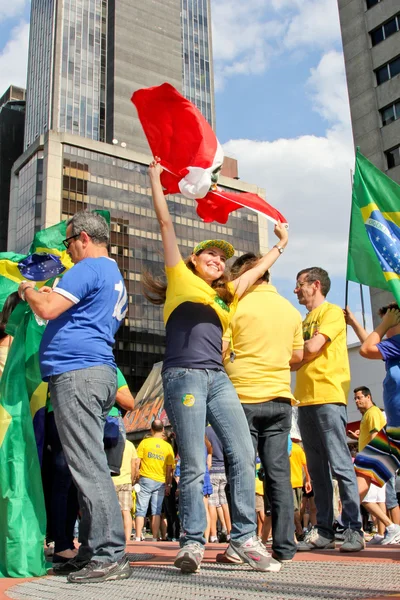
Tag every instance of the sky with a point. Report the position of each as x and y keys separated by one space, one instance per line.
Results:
x=282 y=111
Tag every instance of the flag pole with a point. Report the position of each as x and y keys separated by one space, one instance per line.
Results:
x=362 y=305
x=346 y=294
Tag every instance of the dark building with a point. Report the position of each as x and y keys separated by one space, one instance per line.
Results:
x=12 y=118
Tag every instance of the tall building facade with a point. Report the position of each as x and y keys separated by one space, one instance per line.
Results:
x=371 y=46
x=198 y=77
x=87 y=57
x=12 y=118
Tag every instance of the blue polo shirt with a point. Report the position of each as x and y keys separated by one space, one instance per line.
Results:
x=83 y=336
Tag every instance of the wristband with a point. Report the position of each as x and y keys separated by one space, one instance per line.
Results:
x=279 y=248
x=23 y=290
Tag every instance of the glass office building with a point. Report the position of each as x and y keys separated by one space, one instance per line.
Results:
x=82 y=93
x=198 y=80
x=40 y=70
x=66 y=88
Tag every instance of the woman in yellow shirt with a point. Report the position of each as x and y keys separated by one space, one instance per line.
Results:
x=199 y=303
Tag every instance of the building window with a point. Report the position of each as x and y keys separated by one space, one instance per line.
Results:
x=371 y=3
x=384 y=31
x=388 y=71
x=393 y=157
x=390 y=113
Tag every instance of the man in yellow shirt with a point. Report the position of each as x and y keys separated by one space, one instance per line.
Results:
x=373 y=420
x=322 y=386
x=155 y=461
x=265 y=337
x=123 y=486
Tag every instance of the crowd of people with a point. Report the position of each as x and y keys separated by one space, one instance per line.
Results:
x=231 y=343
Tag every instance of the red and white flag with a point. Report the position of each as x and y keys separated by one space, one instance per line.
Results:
x=190 y=154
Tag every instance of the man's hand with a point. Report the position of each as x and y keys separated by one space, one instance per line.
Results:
x=308 y=487
x=46 y=289
x=167 y=489
x=354 y=435
x=23 y=286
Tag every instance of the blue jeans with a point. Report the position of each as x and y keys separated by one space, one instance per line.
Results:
x=153 y=491
x=269 y=424
x=323 y=432
x=81 y=400
x=391 y=497
x=192 y=396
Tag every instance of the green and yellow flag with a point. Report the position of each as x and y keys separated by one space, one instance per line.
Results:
x=374 y=239
x=22 y=509
x=50 y=240
x=10 y=277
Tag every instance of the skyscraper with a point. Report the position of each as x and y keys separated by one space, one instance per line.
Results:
x=12 y=116
x=85 y=148
x=86 y=57
x=371 y=46
x=198 y=78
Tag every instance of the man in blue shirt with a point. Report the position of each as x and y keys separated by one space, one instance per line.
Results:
x=76 y=357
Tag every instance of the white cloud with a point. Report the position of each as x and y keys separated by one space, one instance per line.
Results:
x=11 y=9
x=308 y=178
x=242 y=38
x=328 y=87
x=316 y=24
x=248 y=35
x=14 y=58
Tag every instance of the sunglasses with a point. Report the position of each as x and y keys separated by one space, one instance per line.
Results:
x=67 y=242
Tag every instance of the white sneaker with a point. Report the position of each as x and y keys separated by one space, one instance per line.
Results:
x=392 y=535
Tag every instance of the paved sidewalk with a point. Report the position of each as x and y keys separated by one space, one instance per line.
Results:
x=331 y=575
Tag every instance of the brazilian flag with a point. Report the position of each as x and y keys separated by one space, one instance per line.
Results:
x=22 y=509
x=10 y=277
x=374 y=239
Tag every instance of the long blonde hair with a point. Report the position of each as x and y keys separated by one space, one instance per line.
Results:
x=155 y=288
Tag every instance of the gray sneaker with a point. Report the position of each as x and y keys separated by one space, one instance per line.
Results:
x=189 y=558
x=353 y=541
x=97 y=572
x=254 y=553
x=376 y=540
x=392 y=536
x=313 y=540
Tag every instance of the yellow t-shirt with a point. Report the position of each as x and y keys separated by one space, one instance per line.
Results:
x=297 y=462
x=265 y=330
x=185 y=286
x=326 y=379
x=125 y=475
x=155 y=454
x=372 y=421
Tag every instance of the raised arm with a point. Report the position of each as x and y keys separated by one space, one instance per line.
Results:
x=369 y=348
x=171 y=251
x=245 y=281
x=359 y=330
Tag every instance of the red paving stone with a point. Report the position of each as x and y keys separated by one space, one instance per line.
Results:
x=164 y=553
